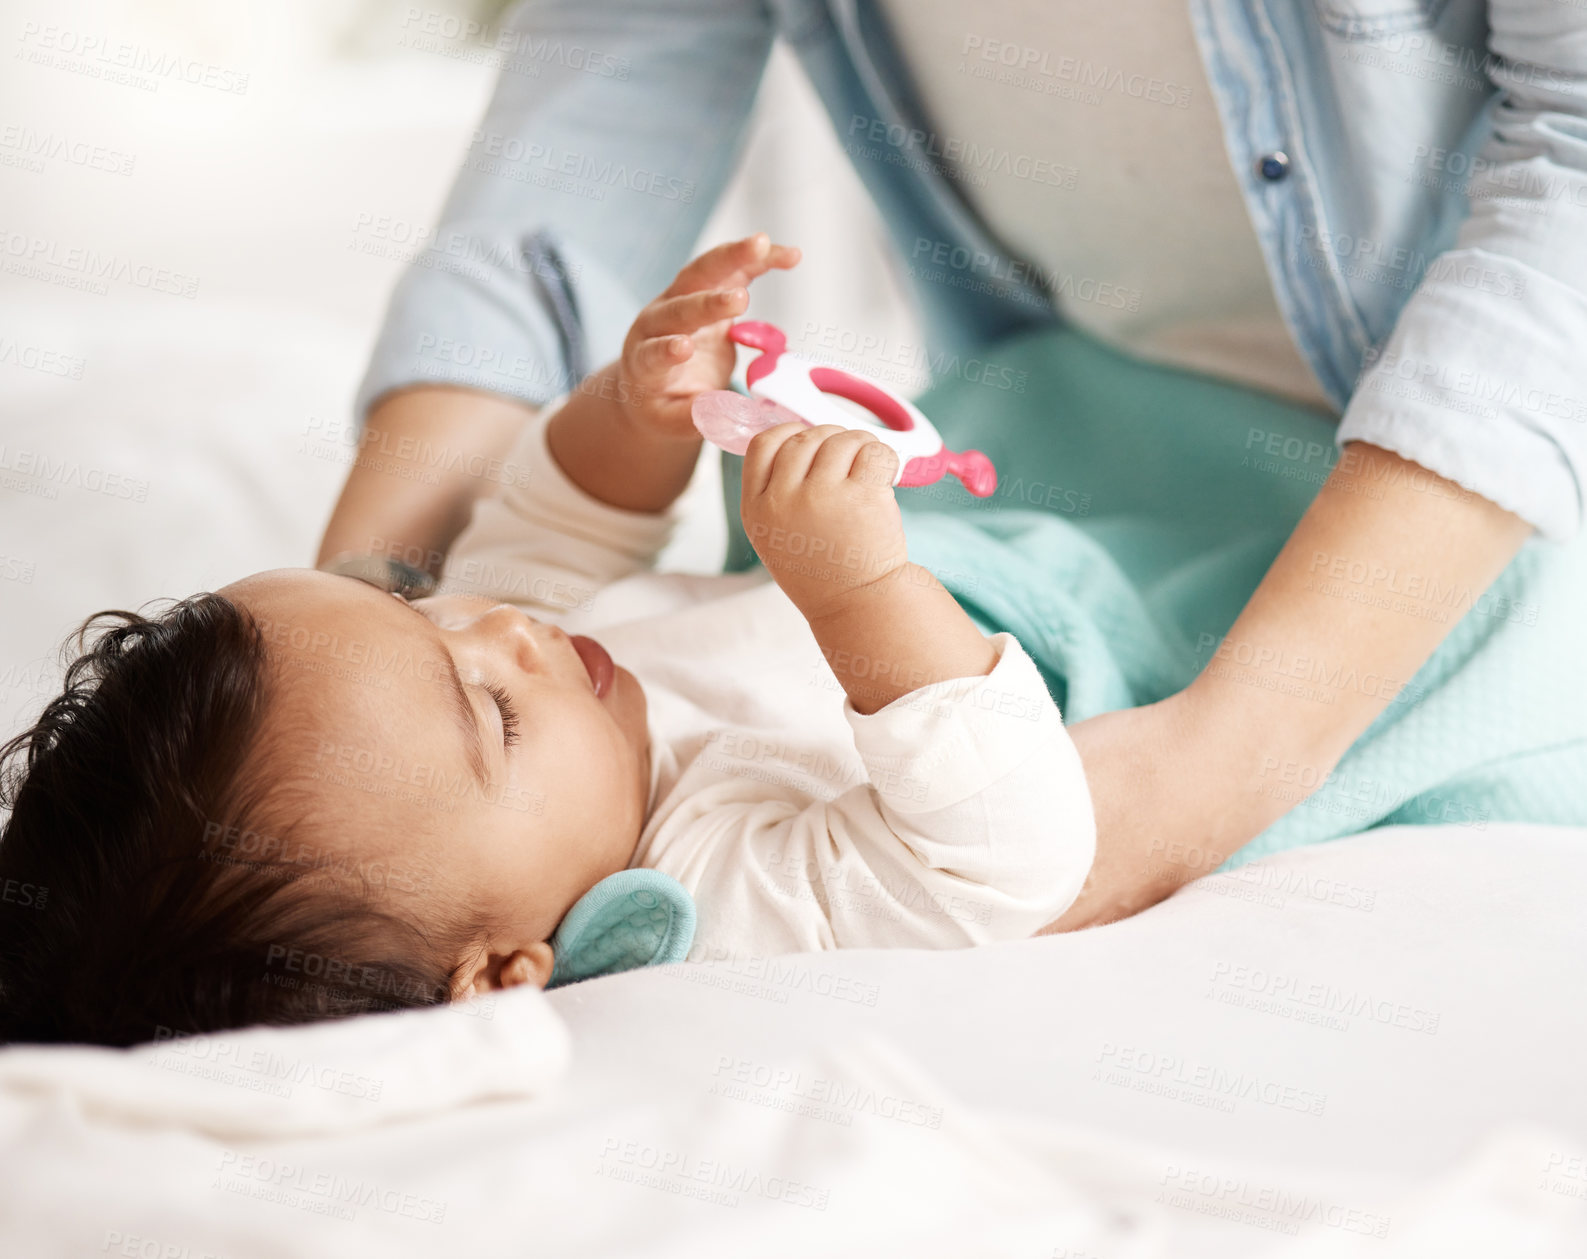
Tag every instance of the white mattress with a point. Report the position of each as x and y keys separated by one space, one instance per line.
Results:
x=1010 y=1100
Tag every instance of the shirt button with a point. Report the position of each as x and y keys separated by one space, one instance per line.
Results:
x=1274 y=166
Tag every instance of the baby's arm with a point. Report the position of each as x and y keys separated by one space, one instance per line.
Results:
x=594 y=476
x=818 y=507
x=969 y=823
x=975 y=819
x=626 y=435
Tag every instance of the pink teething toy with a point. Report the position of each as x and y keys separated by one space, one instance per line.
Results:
x=784 y=387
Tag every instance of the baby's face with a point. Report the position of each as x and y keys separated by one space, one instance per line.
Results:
x=458 y=746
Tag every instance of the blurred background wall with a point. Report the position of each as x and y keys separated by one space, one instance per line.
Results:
x=186 y=420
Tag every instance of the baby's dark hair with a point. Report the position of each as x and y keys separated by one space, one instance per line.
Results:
x=123 y=915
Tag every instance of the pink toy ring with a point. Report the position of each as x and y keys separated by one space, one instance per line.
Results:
x=784 y=387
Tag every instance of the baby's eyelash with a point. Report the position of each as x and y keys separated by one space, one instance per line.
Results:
x=509 y=714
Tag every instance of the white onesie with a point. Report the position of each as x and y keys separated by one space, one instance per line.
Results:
x=956 y=815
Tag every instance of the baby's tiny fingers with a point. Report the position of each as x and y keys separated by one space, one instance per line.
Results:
x=834 y=460
x=778 y=257
x=792 y=465
x=690 y=312
x=716 y=265
x=656 y=354
x=875 y=463
x=761 y=454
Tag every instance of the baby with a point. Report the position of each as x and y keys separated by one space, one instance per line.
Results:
x=303 y=796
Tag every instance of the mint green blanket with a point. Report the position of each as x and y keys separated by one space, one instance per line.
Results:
x=1138 y=508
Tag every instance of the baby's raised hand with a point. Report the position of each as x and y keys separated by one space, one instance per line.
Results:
x=678 y=346
x=819 y=509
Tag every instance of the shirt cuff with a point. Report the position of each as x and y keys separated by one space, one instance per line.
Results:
x=1487 y=392
x=472 y=312
x=959 y=736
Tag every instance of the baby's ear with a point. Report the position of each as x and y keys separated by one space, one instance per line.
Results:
x=495 y=972
x=529 y=966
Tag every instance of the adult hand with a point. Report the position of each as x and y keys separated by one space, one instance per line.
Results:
x=1179 y=785
x=1173 y=799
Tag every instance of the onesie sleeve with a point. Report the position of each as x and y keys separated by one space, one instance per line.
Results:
x=971 y=823
x=542 y=542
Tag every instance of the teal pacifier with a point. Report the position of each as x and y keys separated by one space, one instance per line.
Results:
x=629 y=919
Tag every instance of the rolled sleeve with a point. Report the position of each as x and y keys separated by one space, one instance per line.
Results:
x=1484 y=379
x=612 y=130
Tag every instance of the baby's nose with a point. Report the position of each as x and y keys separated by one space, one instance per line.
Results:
x=521 y=631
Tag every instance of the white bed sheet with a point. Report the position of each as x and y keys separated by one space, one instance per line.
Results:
x=908 y=1102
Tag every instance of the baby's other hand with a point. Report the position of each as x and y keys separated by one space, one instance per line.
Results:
x=678 y=346
x=819 y=509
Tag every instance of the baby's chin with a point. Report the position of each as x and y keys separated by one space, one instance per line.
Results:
x=631 y=712
x=629 y=707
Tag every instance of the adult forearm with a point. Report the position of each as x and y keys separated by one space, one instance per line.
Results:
x=1378 y=571
x=425 y=455
x=1381 y=567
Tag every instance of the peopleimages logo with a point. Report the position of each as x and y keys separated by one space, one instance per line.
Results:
x=39 y=358
x=34 y=148
x=78 y=266
x=101 y=56
x=1037 y=69
x=223 y=1054
x=510 y=50
x=964 y=158
x=995 y=269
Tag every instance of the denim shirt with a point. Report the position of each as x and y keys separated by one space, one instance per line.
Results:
x=1415 y=171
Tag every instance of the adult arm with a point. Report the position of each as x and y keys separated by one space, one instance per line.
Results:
x=552 y=541
x=424 y=456
x=1472 y=422
x=1180 y=785
x=612 y=130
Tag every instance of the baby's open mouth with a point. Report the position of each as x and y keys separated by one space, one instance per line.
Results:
x=596 y=663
